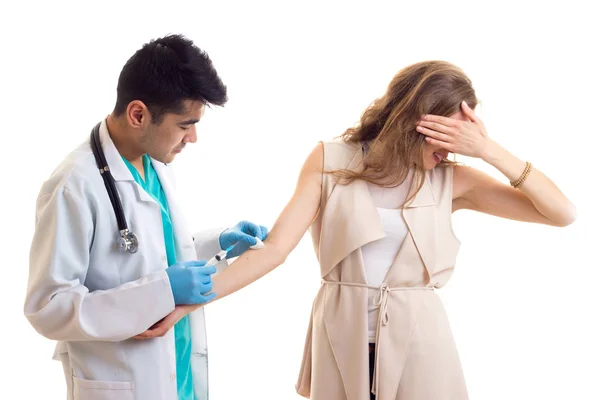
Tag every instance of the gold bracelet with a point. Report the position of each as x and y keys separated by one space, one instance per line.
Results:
x=523 y=176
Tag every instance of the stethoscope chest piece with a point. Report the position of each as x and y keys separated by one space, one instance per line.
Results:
x=128 y=242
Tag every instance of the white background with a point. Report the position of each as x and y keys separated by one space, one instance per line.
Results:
x=524 y=299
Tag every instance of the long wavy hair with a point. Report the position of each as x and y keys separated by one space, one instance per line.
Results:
x=388 y=126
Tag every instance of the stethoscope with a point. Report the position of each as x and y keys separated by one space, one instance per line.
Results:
x=128 y=240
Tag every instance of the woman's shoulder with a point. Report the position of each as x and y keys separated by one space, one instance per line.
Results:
x=441 y=178
x=442 y=173
x=339 y=152
x=340 y=145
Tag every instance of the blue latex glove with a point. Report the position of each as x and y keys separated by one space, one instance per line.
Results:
x=190 y=280
x=242 y=235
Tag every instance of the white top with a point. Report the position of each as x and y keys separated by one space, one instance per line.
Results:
x=378 y=256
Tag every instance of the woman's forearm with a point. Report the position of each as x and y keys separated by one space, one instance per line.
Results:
x=247 y=268
x=543 y=193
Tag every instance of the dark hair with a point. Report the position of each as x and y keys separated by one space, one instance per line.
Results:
x=164 y=73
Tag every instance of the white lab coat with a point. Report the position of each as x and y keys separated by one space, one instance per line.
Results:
x=92 y=298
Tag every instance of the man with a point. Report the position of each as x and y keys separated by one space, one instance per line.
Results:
x=93 y=291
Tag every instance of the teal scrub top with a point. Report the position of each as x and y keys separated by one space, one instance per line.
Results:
x=183 y=340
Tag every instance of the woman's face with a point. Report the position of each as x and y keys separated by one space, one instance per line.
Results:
x=432 y=154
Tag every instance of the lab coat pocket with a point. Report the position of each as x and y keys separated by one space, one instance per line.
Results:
x=84 y=389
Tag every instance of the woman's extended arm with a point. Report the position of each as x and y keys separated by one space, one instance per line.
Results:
x=291 y=225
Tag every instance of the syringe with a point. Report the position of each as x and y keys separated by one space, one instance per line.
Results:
x=223 y=253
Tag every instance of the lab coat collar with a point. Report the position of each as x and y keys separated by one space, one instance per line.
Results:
x=117 y=166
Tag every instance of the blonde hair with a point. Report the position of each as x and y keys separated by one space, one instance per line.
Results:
x=388 y=125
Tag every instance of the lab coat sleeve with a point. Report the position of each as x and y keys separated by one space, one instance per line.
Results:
x=207 y=245
x=58 y=304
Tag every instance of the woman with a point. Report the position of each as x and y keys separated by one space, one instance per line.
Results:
x=379 y=204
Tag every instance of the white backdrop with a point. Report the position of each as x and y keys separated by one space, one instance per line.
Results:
x=524 y=300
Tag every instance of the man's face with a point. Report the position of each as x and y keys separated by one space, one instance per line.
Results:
x=165 y=140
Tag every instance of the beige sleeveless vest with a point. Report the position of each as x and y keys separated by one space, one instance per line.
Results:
x=416 y=357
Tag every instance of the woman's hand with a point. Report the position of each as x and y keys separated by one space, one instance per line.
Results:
x=468 y=138
x=163 y=326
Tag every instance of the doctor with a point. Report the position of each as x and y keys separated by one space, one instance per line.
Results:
x=105 y=267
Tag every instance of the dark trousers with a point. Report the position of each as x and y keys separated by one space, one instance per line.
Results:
x=371 y=365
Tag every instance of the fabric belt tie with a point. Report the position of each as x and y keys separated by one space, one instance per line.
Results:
x=380 y=301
